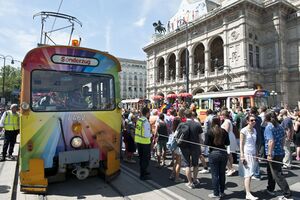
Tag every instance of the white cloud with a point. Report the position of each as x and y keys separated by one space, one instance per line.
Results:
x=146 y=7
x=8 y=8
x=140 y=22
x=18 y=42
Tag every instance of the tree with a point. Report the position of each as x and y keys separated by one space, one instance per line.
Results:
x=12 y=82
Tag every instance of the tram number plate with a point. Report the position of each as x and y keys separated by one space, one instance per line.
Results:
x=77 y=117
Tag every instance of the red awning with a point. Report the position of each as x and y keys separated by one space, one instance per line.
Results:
x=185 y=95
x=157 y=97
x=172 y=96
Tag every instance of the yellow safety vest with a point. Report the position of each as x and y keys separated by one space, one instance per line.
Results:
x=11 y=121
x=140 y=132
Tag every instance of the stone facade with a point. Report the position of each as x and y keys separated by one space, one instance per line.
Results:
x=132 y=78
x=239 y=44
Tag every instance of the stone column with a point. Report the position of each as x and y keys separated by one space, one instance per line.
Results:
x=207 y=62
x=177 y=69
x=191 y=65
x=166 y=78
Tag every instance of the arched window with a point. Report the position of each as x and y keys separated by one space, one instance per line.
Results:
x=172 y=67
x=217 y=54
x=199 y=59
x=184 y=63
x=161 y=70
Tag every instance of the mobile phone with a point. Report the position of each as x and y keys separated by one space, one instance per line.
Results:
x=244 y=162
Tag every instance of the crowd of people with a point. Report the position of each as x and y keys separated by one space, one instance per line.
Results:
x=247 y=137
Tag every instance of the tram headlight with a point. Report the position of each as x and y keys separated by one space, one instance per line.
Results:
x=76 y=142
x=24 y=106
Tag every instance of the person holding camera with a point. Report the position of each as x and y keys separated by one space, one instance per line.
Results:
x=248 y=155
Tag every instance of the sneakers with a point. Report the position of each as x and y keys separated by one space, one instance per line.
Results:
x=196 y=182
x=179 y=180
x=286 y=167
x=204 y=171
x=190 y=185
x=230 y=172
x=212 y=196
x=131 y=161
x=2 y=159
x=256 y=178
x=284 y=198
x=144 y=178
x=11 y=157
x=270 y=192
x=172 y=176
x=251 y=197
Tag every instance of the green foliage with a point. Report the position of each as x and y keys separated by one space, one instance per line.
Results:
x=12 y=81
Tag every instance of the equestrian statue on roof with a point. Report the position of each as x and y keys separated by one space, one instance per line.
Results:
x=159 y=27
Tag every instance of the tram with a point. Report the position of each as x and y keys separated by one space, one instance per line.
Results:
x=70 y=118
x=137 y=104
x=244 y=98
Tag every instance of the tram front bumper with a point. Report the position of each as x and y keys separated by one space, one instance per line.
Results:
x=88 y=156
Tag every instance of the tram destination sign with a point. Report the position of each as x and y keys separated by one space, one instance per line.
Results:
x=262 y=93
x=72 y=60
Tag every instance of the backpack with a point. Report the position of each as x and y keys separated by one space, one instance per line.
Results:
x=172 y=143
x=183 y=134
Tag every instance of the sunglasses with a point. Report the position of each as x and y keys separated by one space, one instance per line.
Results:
x=252 y=120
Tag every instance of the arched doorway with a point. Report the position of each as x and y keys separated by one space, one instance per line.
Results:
x=217 y=54
x=172 y=67
x=199 y=59
x=161 y=70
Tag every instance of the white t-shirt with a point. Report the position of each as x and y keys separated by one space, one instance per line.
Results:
x=250 y=141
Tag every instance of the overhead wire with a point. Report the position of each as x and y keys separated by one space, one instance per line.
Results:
x=55 y=18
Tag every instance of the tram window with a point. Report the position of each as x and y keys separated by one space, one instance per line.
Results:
x=75 y=91
x=204 y=104
x=246 y=102
x=260 y=101
x=234 y=103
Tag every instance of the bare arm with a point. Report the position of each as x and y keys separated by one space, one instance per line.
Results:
x=242 y=144
x=271 y=144
x=296 y=126
x=226 y=126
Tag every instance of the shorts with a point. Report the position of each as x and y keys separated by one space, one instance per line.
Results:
x=161 y=146
x=190 y=156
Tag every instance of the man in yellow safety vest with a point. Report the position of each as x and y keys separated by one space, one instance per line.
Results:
x=10 y=121
x=142 y=138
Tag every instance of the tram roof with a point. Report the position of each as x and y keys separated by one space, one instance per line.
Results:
x=130 y=100
x=231 y=93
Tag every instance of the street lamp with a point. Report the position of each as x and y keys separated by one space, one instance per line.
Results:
x=274 y=95
x=3 y=73
x=180 y=21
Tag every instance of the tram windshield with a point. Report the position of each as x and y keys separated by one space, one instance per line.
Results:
x=260 y=101
x=71 y=91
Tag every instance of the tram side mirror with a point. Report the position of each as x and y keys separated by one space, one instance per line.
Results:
x=120 y=105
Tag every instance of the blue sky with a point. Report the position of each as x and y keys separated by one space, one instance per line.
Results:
x=121 y=27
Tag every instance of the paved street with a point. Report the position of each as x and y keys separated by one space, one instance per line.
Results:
x=128 y=185
x=234 y=184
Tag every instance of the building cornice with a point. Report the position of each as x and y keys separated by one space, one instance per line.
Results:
x=219 y=11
